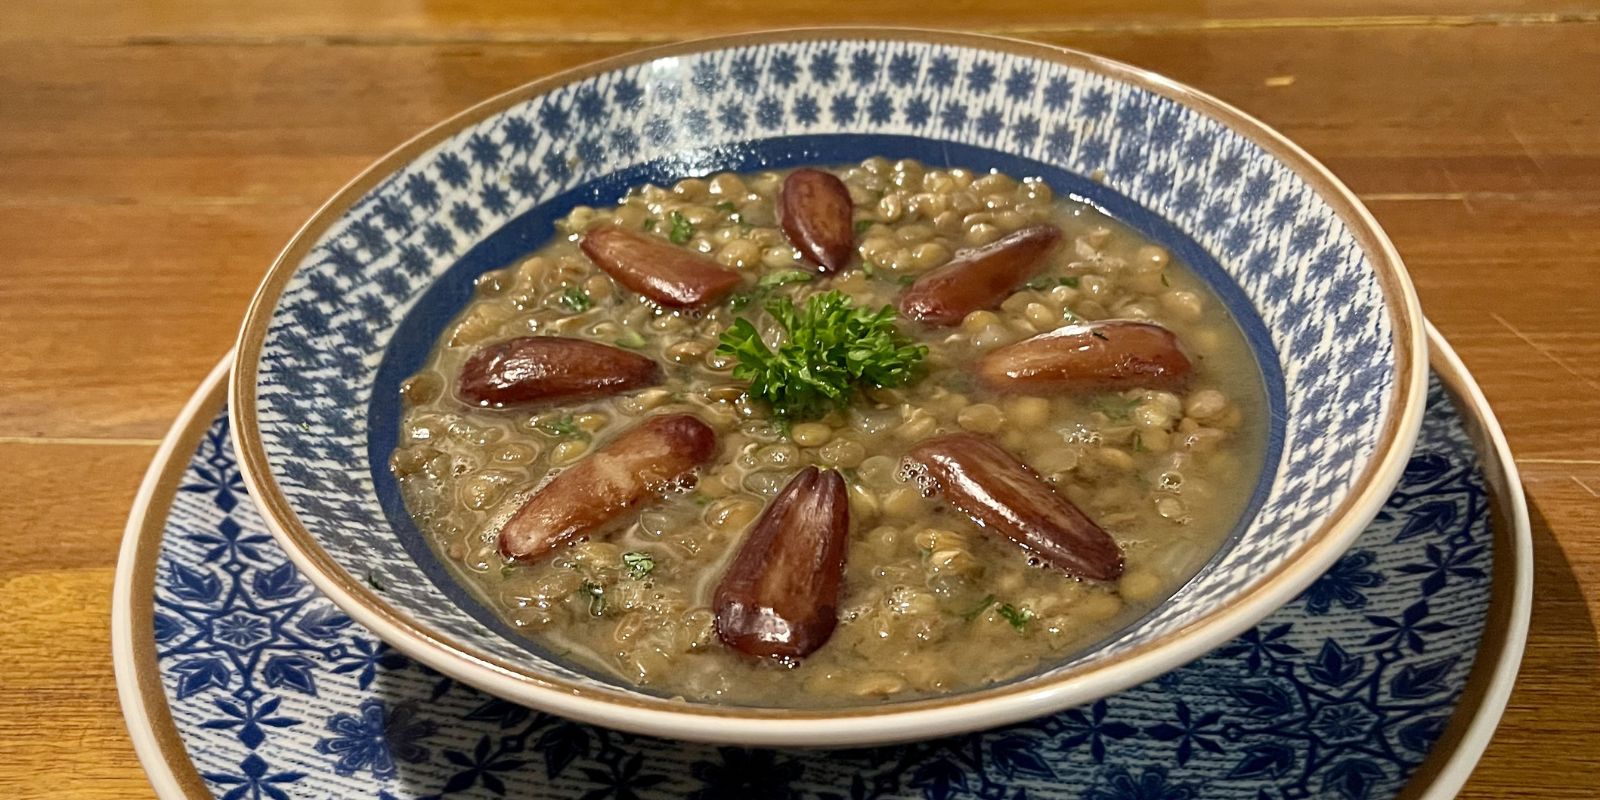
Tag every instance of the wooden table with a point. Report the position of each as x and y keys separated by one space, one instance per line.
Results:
x=154 y=156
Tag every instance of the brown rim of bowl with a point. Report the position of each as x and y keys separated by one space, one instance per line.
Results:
x=1291 y=575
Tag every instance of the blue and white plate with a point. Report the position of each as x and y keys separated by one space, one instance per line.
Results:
x=240 y=680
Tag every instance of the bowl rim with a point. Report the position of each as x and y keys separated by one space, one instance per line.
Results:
x=887 y=723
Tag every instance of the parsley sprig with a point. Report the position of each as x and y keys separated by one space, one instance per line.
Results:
x=565 y=425
x=830 y=350
x=639 y=564
x=1018 y=617
x=681 y=230
x=773 y=280
x=575 y=300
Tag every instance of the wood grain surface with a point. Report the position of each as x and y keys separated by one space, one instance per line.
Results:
x=155 y=154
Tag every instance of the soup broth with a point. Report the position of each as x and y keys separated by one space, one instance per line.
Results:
x=931 y=601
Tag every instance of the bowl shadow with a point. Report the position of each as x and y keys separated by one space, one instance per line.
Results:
x=1548 y=726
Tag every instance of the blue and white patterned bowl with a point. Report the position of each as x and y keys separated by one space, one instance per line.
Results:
x=353 y=304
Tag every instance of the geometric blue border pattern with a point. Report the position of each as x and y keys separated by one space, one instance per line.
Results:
x=1340 y=694
x=1286 y=250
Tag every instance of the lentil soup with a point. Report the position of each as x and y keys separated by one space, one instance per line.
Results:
x=826 y=437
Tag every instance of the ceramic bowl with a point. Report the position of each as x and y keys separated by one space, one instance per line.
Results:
x=359 y=296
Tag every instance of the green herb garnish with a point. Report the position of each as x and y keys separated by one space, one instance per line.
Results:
x=862 y=225
x=831 y=350
x=575 y=299
x=1164 y=281
x=631 y=338
x=739 y=300
x=597 y=598
x=983 y=604
x=649 y=224
x=1050 y=282
x=1018 y=617
x=565 y=426
x=773 y=280
x=906 y=280
x=639 y=564
x=374 y=580
x=681 y=229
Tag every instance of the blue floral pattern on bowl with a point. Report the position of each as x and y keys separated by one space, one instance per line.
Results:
x=276 y=693
x=336 y=340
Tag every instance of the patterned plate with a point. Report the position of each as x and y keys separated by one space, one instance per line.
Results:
x=240 y=681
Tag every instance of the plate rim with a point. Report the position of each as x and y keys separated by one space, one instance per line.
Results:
x=145 y=710
x=1509 y=614
x=989 y=708
x=165 y=760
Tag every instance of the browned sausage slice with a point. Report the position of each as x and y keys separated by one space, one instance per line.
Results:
x=780 y=597
x=657 y=269
x=979 y=278
x=634 y=467
x=815 y=211
x=540 y=369
x=1097 y=356
x=1004 y=496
